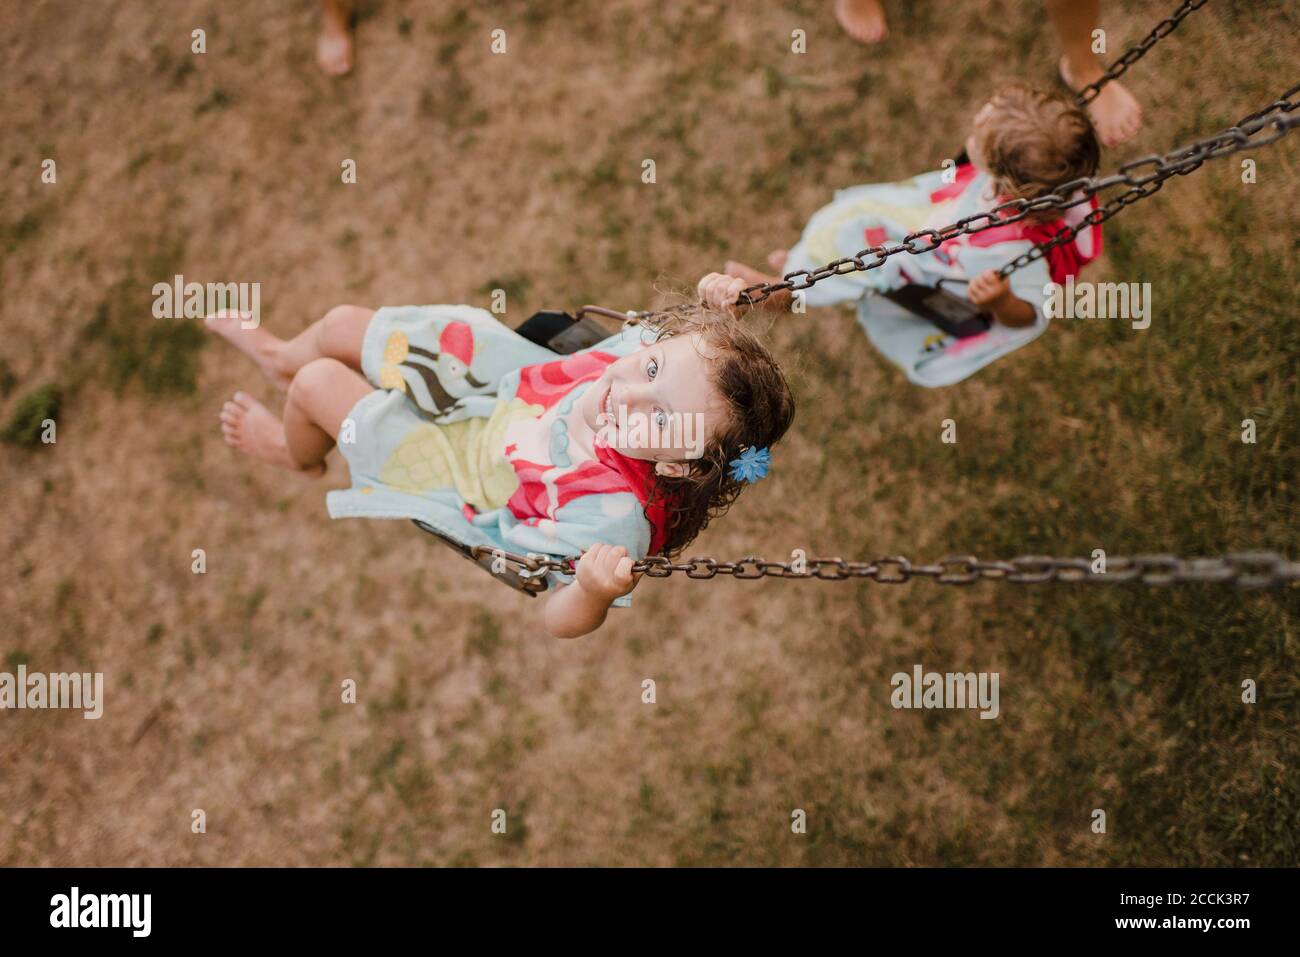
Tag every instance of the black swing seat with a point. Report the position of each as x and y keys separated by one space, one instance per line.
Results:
x=955 y=315
x=562 y=333
x=502 y=569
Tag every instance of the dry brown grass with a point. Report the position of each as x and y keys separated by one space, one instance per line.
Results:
x=523 y=170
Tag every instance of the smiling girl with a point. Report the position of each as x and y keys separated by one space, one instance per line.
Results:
x=446 y=416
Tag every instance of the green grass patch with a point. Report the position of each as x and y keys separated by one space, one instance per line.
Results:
x=26 y=423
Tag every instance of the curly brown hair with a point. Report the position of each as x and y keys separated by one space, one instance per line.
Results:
x=1036 y=142
x=760 y=410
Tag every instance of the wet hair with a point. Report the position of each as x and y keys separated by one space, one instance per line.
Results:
x=760 y=408
x=1036 y=142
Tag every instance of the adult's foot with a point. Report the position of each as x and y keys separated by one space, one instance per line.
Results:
x=254 y=429
x=256 y=343
x=1116 y=114
x=334 y=48
x=864 y=20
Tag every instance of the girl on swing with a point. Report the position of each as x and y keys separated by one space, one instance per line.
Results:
x=1023 y=143
x=447 y=416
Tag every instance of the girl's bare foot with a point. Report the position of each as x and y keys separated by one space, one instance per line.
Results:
x=334 y=48
x=777 y=259
x=252 y=428
x=256 y=343
x=864 y=20
x=1115 y=112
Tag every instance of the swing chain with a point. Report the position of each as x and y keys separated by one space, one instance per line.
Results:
x=1243 y=569
x=1178 y=163
x=1131 y=56
x=1275 y=118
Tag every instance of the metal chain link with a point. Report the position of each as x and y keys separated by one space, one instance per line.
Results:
x=1274 y=118
x=1178 y=163
x=1243 y=569
x=1131 y=56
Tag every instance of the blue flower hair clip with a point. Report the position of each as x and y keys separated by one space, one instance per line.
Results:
x=751 y=466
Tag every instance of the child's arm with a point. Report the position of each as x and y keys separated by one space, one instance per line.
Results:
x=991 y=291
x=722 y=292
x=604 y=573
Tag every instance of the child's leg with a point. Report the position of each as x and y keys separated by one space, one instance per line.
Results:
x=849 y=287
x=334 y=48
x=1115 y=113
x=322 y=394
x=320 y=397
x=338 y=335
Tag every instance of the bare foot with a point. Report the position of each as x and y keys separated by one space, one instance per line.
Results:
x=1115 y=112
x=864 y=20
x=334 y=48
x=777 y=259
x=747 y=273
x=253 y=428
x=256 y=343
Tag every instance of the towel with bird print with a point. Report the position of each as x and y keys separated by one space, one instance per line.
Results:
x=879 y=213
x=466 y=432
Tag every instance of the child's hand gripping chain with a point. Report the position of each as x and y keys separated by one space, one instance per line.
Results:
x=603 y=574
x=990 y=290
x=721 y=292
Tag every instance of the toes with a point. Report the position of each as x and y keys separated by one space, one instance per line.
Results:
x=245 y=401
x=232 y=417
x=334 y=54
